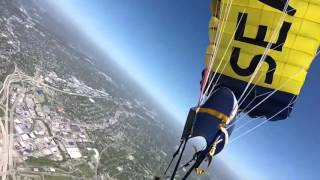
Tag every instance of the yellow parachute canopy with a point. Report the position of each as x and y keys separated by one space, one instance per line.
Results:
x=268 y=43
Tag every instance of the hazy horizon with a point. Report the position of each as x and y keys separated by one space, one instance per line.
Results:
x=162 y=45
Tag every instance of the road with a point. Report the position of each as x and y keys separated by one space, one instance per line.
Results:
x=7 y=166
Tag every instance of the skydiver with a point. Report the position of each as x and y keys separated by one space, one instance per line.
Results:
x=210 y=120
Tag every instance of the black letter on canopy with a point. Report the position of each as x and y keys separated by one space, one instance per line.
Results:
x=253 y=65
x=280 y=5
x=259 y=40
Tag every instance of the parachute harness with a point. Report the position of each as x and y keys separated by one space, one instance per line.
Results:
x=209 y=82
x=209 y=153
x=200 y=171
x=224 y=118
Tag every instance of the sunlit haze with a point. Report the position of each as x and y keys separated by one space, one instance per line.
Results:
x=162 y=45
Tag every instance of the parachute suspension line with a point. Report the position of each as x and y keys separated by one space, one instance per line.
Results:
x=208 y=150
x=251 y=130
x=263 y=100
x=260 y=61
x=237 y=120
x=267 y=48
x=248 y=105
x=244 y=109
x=206 y=69
x=263 y=122
x=242 y=126
x=173 y=157
x=207 y=72
x=240 y=102
x=254 y=85
x=245 y=124
x=226 y=62
x=187 y=163
x=264 y=55
x=225 y=53
x=255 y=97
x=218 y=29
x=178 y=162
x=282 y=85
x=192 y=159
x=274 y=91
x=225 y=65
x=269 y=95
x=189 y=171
x=217 y=41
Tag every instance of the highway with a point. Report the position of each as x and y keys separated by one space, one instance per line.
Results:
x=7 y=166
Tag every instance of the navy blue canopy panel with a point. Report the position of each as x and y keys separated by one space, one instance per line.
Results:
x=277 y=107
x=189 y=123
x=211 y=113
x=221 y=145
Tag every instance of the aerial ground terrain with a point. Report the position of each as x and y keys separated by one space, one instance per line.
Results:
x=70 y=112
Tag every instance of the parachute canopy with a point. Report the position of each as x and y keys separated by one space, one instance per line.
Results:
x=263 y=48
x=217 y=110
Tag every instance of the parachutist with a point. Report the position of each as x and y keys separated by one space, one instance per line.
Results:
x=208 y=120
x=254 y=61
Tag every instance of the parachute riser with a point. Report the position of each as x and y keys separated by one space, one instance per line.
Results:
x=208 y=152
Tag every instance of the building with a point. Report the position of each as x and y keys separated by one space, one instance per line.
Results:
x=74 y=152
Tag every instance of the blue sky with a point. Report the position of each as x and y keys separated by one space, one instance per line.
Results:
x=162 y=45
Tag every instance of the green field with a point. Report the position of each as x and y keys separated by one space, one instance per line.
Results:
x=86 y=170
x=57 y=178
x=42 y=162
x=1 y=113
